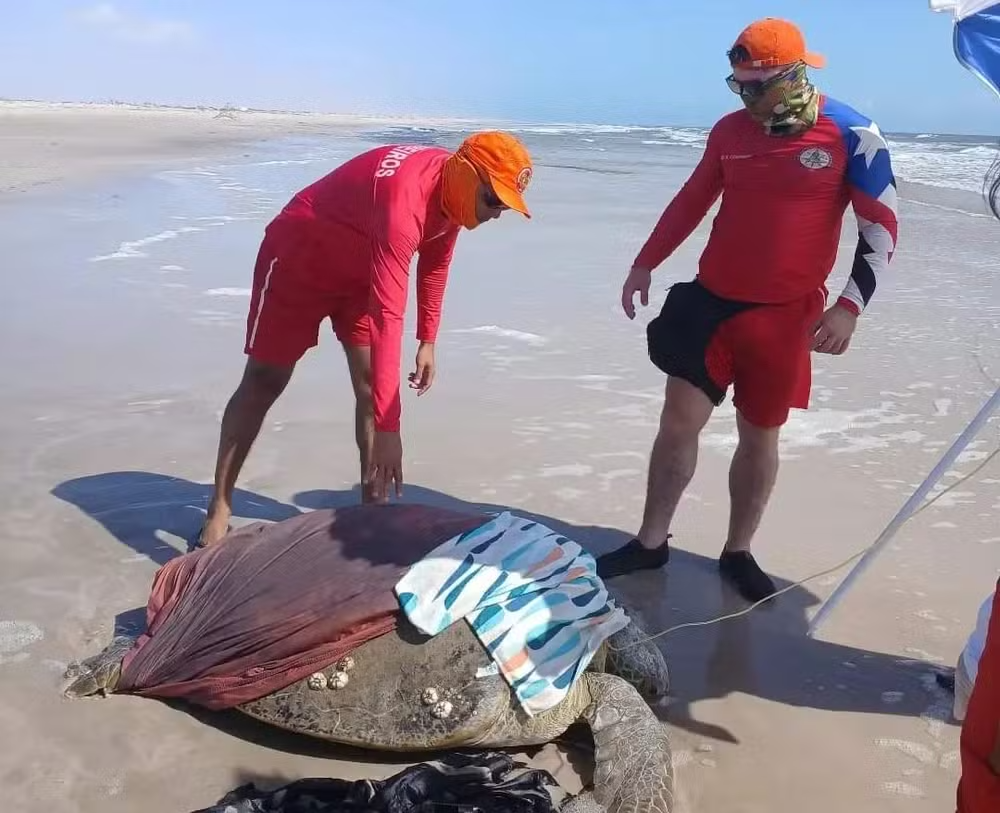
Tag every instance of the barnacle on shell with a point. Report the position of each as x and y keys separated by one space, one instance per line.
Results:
x=441 y=709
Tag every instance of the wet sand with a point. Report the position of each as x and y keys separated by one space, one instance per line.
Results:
x=120 y=360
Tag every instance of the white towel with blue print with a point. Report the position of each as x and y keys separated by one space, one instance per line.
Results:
x=532 y=597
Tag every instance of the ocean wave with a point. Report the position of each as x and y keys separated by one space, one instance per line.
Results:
x=941 y=163
x=580 y=129
x=132 y=248
x=285 y=163
x=557 y=129
x=579 y=168
x=505 y=333
x=678 y=139
x=947 y=162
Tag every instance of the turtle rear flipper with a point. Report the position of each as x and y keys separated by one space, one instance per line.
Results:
x=99 y=673
x=582 y=803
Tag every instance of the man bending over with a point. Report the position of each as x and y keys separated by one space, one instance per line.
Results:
x=341 y=249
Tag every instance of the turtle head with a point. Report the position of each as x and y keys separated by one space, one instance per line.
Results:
x=98 y=674
x=632 y=656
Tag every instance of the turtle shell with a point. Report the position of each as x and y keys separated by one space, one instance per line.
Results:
x=404 y=691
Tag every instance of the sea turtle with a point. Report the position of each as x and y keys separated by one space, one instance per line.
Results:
x=407 y=692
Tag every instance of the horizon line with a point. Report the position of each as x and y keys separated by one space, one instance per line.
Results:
x=413 y=117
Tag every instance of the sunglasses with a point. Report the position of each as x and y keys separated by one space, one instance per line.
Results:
x=490 y=198
x=756 y=87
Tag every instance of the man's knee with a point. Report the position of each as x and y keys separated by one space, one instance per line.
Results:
x=363 y=387
x=756 y=434
x=363 y=401
x=686 y=410
x=263 y=383
x=359 y=363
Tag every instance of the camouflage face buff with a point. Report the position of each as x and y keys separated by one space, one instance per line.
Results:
x=798 y=105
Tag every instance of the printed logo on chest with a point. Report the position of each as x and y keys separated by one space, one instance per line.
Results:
x=816 y=158
x=393 y=159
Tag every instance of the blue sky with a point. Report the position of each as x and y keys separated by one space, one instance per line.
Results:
x=613 y=61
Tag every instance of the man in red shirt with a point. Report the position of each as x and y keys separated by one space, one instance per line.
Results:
x=341 y=249
x=786 y=167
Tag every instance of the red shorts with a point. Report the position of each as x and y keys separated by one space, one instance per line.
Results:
x=762 y=351
x=292 y=295
x=765 y=354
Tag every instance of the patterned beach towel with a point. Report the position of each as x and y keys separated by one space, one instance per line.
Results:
x=532 y=597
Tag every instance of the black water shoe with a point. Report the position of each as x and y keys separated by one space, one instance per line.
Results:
x=631 y=558
x=741 y=570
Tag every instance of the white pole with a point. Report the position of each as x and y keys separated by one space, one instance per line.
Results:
x=906 y=511
x=944 y=5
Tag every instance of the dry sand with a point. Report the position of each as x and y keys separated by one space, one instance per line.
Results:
x=117 y=371
x=45 y=143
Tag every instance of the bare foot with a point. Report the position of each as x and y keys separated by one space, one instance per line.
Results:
x=213 y=531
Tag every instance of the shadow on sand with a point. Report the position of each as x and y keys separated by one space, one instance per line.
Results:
x=765 y=654
x=134 y=506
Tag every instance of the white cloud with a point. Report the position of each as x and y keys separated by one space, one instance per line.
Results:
x=132 y=28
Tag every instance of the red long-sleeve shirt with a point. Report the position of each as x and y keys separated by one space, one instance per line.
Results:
x=369 y=217
x=776 y=235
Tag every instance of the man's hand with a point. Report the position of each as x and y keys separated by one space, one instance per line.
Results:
x=422 y=377
x=386 y=467
x=637 y=281
x=832 y=333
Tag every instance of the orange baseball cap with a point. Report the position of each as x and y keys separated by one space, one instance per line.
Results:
x=506 y=163
x=771 y=42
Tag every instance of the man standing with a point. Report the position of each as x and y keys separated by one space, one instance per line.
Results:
x=786 y=166
x=341 y=248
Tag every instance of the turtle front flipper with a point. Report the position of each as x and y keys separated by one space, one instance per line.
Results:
x=633 y=655
x=98 y=674
x=633 y=762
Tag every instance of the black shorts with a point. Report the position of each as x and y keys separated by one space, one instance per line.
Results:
x=678 y=338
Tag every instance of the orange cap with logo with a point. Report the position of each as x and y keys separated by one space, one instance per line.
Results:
x=505 y=163
x=771 y=42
